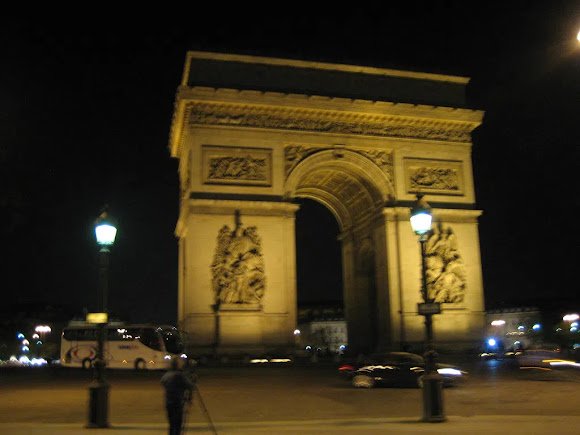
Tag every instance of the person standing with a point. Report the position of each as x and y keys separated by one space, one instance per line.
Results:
x=178 y=390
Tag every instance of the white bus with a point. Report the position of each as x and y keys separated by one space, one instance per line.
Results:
x=128 y=346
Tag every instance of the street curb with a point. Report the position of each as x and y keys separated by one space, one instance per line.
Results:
x=517 y=424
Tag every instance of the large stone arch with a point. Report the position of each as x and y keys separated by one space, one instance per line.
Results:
x=349 y=184
x=252 y=134
x=355 y=190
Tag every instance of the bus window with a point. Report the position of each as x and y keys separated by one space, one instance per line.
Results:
x=116 y=334
x=129 y=334
x=150 y=338
x=81 y=334
x=70 y=334
x=173 y=343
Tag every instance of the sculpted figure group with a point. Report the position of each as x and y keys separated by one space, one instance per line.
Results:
x=238 y=266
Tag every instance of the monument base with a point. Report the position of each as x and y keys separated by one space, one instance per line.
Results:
x=239 y=328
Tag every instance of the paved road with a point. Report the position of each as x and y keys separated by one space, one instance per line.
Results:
x=287 y=399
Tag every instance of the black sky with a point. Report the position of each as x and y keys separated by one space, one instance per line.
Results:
x=86 y=105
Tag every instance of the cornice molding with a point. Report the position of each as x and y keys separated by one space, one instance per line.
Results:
x=367 y=107
x=439 y=214
x=455 y=215
x=219 y=114
x=311 y=113
x=260 y=208
x=176 y=131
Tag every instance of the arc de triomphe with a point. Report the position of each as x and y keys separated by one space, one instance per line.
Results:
x=252 y=134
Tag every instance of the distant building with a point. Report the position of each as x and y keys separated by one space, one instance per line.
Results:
x=514 y=327
x=23 y=318
x=322 y=329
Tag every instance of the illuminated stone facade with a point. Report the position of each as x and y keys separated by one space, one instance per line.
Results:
x=251 y=134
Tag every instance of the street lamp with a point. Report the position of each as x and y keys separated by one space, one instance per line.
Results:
x=105 y=233
x=432 y=381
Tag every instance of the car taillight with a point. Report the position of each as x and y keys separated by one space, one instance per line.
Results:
x=345 y=367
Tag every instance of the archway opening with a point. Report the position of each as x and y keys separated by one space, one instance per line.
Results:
x=354 y=190
x=319 y=280
x=318 y=262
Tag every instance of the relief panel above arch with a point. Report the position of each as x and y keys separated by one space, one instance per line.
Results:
x=432 y=176
x=239 y=166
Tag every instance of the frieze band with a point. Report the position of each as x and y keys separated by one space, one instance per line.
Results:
x=326 y=121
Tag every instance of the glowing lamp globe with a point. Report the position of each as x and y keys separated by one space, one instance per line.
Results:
x=421 y=216
x=105 y=231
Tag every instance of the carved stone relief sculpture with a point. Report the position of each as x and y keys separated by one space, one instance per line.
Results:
x=238 y=266
x=229 y=165
x=237 y=168
x=383 y=159
x=446 y=275
x=202 y=113
x=434 y=176
x=294 y=154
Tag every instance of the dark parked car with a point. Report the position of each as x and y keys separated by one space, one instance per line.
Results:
x=397 y=369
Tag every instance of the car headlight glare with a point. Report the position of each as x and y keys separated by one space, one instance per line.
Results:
x=448 y=371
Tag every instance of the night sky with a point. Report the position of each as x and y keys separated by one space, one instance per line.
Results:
x=85 y=112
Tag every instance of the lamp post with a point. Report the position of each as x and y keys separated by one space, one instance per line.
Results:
x=432 y=381
x=105 y=233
